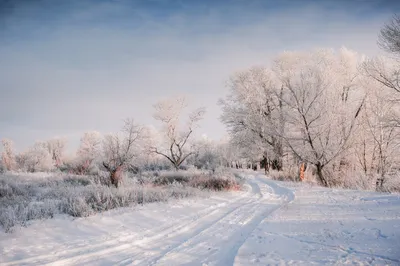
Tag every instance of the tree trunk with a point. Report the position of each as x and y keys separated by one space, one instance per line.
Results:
x=379 y=183
x=320 y=175
x=276 y=164
x=264 y=163
x=115 y=176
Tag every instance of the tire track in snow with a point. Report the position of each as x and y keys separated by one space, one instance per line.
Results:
x=286 y=194
x=227 y=218
x=137 y=249
x=219 y=244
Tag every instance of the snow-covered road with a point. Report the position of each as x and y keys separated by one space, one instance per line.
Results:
x=270 y=223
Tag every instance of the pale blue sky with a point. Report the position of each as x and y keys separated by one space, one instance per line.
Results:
x=72 y=66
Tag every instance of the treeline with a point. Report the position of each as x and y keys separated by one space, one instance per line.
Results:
x=134 y=149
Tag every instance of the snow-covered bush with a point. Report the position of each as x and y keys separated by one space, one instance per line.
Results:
x=77 y=166
x=2 y=168
x=206 y=159
x=285 y=175
x=159 y=164
x=214 y=183
x=170 y=179
x=351 y=179
x=41 y=196
x=223 y=180
x=392 y=184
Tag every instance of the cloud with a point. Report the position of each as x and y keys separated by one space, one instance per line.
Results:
x=98 y=64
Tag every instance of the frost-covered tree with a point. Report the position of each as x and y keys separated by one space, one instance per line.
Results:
x=386 y=71
x=36 y=159
x=253 y=111
x=380 y=137
x=208 y=155
x=385 y=136
x=89 y=151
x=229 y=152
x=389 y=36
x=323 y=100
x=383 y=71
x=120 y=149
x=8 y=154
x=56 y=148
x=175 y=145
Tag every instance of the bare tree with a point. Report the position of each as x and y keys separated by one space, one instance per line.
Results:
x=389 y=36
x=229 y=153
x=208 y=155
x=385 y=138
x=363 y=150
x=384 y=70
x=89 y=151
x=323 y=104
x=56 y=149
x=119 y=150
x=37 y=158
x=253 y=110
x=8 y=155
x=175 y=141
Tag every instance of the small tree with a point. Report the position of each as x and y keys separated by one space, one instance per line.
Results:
x=8 y=156
x=37 y=158
x=208 y=156
x=120 y=150
x=168 y=112
x=56 y=149
x=88 y=151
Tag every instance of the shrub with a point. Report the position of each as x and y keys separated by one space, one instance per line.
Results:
x=285 y=175
x=392 y=184
x=79 y=167
x=2 y=168
x=77 y=181
x=214 y=183
x=41 y=195
x=167 y=180
x=33 y=197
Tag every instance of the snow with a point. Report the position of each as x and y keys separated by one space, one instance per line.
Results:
x=271 y=223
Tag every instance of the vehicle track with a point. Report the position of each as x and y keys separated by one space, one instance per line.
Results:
x=219 y=244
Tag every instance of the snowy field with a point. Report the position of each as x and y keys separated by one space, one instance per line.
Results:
x=271 y=223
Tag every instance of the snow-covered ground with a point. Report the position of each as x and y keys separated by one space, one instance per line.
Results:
x=272 y=223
